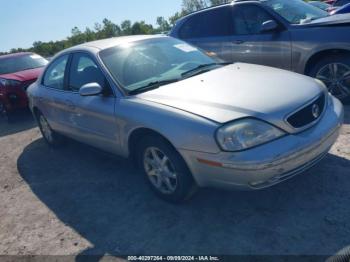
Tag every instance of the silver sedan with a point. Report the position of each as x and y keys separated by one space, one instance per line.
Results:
x=188 y=119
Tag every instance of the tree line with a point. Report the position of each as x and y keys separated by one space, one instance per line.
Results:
x=108 y=29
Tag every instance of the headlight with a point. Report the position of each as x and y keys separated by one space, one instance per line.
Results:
x=9 y=82
x=246 y=133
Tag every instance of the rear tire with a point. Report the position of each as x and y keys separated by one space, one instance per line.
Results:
x=334 y=71
x=165 y=170
x=51 y=137
x=3 y=113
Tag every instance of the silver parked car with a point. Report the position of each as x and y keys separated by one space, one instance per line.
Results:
x=188 y=119
x=287 y=34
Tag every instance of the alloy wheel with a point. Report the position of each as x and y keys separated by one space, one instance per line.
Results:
x=336 y=77
x=160 y=170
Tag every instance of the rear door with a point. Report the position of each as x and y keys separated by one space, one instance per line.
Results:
x=251 y=45
x=54 y=98
x=93 y=119
x=210 y=30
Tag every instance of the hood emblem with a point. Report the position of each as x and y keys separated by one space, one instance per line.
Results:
x=315 y=111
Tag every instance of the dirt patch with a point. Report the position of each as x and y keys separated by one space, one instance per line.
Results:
x=77 y=200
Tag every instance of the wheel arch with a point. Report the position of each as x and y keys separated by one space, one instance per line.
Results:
x=314 y=58
x=36 y=111
x=136 y=136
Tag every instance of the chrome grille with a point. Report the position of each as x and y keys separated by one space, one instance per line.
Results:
x=308 y=114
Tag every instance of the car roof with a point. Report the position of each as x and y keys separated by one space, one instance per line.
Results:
x=15 y=55
x=114 y=41
x=233 y=2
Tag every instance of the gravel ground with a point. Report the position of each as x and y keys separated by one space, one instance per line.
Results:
x=77 y=200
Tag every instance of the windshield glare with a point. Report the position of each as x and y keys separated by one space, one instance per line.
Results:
x=296 y=11
x=21 y=63
x=140 y=63
x=321 y=5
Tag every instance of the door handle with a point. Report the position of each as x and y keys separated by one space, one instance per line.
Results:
x=238 y=42
x=70 y=104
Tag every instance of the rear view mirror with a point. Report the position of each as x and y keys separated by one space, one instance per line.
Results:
x=269 y=26
x=90 y=89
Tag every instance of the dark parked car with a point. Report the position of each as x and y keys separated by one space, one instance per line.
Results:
x=17 y=72
x=288 y=34
x=340 y=3
x=342 y=10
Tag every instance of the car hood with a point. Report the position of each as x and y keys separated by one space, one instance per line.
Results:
x=332 y=20
x=239 y=90
x=25 y=75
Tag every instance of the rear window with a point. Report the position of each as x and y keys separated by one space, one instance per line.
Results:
x=211 y=23
x=21 y=63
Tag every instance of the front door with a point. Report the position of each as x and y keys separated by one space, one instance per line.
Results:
x=94 y=118
x=251 y=45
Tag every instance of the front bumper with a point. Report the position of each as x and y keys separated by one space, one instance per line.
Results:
x=270 y=163
x=13 y=98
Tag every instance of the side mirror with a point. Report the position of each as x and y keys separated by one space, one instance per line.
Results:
x=90 y=89
x=269 y=26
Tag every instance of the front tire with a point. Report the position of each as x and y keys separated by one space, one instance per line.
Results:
x=334 y=72
x=165 y=170
x=51 y=137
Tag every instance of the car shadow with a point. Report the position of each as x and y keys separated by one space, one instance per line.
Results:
x=106 y=200
x=347 y=115
x=19 y=122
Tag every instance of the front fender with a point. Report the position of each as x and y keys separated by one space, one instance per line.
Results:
x=184 y=130
x=308 y=42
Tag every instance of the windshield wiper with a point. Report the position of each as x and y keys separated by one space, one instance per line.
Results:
x=152 y=85
x=202 y=69
x=308 y=20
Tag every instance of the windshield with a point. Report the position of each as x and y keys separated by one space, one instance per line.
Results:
x=21 y=63
x=138 y=64
x=295 y=11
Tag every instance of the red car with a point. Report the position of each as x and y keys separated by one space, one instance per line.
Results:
x=17 y=72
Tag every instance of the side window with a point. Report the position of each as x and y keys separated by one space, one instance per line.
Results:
x=211 y=23
x=84 y=70
x=247 y=19
x=341 y=3
x=54 y=75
